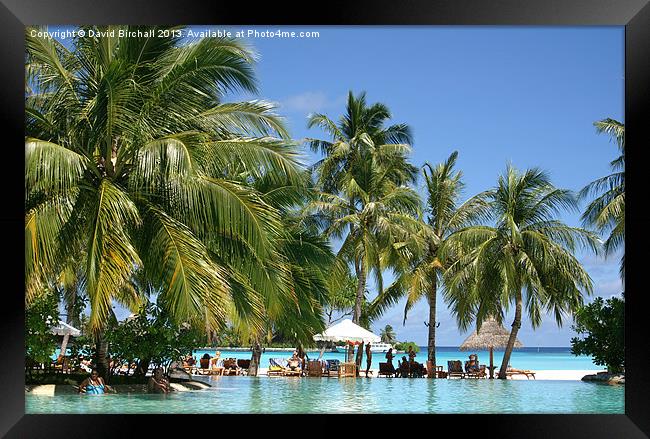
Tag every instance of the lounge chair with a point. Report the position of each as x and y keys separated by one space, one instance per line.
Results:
x=455 y=369
x=230 y=366
x=315 y=368
x=386 y=370
x=276 y=366
x=347 y=370
x=332 y=367
x=243 y=366
x=475 y=373
x=510 y=372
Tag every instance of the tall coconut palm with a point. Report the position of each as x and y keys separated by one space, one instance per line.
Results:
x=526 y=259
x=606 y=212
x=363 y=178
x=130 y=160
x=422 y=270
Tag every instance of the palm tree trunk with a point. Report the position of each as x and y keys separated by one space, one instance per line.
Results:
x=431 y=345
x=516 y=324
x=101 y=348
x=255 y=359
x=359 y=359
x=361 y=287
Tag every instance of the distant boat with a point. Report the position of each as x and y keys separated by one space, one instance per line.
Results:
x=381 y=347
x=374 y=347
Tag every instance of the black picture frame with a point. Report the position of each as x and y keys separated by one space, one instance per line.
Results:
x=633 y=14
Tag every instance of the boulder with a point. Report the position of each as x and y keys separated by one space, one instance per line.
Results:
x=607 y=378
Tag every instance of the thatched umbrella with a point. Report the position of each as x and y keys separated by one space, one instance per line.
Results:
x=492 y=336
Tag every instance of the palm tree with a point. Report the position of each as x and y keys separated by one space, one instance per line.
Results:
x=422 y=270
x=133 y=162
x=526 y=259
x=363 y=177
x=388 y=334
x=607 y=211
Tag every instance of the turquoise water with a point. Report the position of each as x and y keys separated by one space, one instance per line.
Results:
x=554 y=358
x=242 y=394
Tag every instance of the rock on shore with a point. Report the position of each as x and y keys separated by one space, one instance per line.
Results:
x=604 y=377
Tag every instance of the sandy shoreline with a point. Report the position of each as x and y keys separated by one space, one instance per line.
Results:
x=564 y=375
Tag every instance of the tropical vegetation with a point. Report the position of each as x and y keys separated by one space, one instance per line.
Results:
x=146 y=187
x=606 y=212
x=526 y=259
x=601 y=330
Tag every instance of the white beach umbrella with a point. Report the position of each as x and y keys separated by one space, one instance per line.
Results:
x=348 y=332
x=66 y=331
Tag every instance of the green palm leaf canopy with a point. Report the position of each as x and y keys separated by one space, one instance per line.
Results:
x=492 y=335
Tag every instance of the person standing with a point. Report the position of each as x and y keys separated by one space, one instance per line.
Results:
x=389 y=357
x=368 y=358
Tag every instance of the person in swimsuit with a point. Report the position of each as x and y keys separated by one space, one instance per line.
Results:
x=389 y=357
x=368 y=358
x=94 y=385
x=158 y=383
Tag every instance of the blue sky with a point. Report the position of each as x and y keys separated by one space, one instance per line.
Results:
x=525 y=95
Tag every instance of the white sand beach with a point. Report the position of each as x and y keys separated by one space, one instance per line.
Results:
x=568 y=375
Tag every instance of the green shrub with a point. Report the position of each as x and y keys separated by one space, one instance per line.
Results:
x=602 y=323
x=404 y=346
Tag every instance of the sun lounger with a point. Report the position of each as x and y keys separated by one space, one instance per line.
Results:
x=276 y=366
x=476 y=373
x=230 y=366
x=455 y=369
x=331 y=367
x=510 y=372
x=243 y=366
x=386 y=370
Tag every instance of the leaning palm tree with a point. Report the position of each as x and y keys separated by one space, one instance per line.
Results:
x=422 y=270
x=526 y=259
x=363 y=181
x=607 y=211
x=132 y=158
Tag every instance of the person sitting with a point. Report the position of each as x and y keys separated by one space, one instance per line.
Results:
x=214 y=361
x=190 y=361
x=472 y=365
x=294 y=361
x=94 y=384
x=205 y=361
x=158 y=383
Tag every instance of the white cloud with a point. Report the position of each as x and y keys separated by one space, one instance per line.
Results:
x=310 y=102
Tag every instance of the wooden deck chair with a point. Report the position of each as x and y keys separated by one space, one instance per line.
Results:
x=243 y=366
x=386 y=370
x=314 y=368
x=455 y=369
x=347 y=370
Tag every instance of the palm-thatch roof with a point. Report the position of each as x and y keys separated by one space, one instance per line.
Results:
x=492 y=335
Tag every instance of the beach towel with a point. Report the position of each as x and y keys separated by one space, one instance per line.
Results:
x=277 y=363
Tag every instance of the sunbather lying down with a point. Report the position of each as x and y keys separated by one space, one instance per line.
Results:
x=510 y=371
